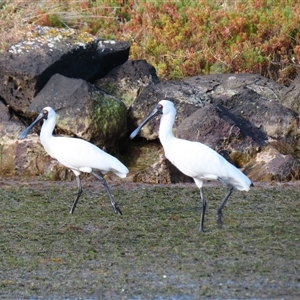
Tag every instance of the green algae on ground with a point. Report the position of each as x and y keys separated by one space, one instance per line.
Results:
x=154 y=250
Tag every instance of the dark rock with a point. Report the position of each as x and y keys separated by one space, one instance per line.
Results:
x=128 y=80
x=10 y=127
x=184 y=97
x=291 y=97
x=29 y=157
x=222 y=86
x=4 y=113
x=233 y=137
x=274 y=119
x=84 y=111
x=161 y=172
x=271 y=165
x=27 y=66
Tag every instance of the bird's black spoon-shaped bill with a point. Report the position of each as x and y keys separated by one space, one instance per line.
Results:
x=24 y=133
x=137 y=130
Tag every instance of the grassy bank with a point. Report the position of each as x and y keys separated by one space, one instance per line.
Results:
x=179 y=38
x=154 y=250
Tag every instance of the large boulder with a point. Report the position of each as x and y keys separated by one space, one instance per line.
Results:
x=26 y=157
x=224 y=86
x=184 y=97
x=275 y=120
x=128 y=80
x=271 y=165
x=292 y=95
x=83 y=110
x=10 y=127
x=234 y=137
x=27 y=66
x=160 y=172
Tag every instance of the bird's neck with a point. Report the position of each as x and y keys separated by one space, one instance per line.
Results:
x=165 y=128
x=46 y=131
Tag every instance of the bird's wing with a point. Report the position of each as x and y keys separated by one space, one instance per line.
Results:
x=79 y=154
x=200 y=161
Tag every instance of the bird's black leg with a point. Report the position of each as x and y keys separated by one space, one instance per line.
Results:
x=78 y=194
x=219 y=209
x=203 y=209
x=103 y=181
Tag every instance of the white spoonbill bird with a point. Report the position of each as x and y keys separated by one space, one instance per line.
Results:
x=195 y=159
x=76 y=154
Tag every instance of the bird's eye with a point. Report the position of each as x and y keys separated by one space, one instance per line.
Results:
x=45 y=112
x=160 y=106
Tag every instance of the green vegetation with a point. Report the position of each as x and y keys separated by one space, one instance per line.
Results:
x=179 y=38
x=154 y=248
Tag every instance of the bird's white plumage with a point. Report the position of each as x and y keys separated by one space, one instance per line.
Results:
x=202 y=163
x=77 y=154
x=195 y=159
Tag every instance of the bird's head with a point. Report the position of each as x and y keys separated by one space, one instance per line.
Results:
x=166 y=107
x=43 y=115
x=162 y=108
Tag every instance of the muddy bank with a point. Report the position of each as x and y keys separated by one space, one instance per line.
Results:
x=154 y=250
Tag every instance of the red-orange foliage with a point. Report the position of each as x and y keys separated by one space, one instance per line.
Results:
x=187 y=38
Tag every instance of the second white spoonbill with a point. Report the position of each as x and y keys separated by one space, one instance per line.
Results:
x=195 y=159
x=76 y=154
